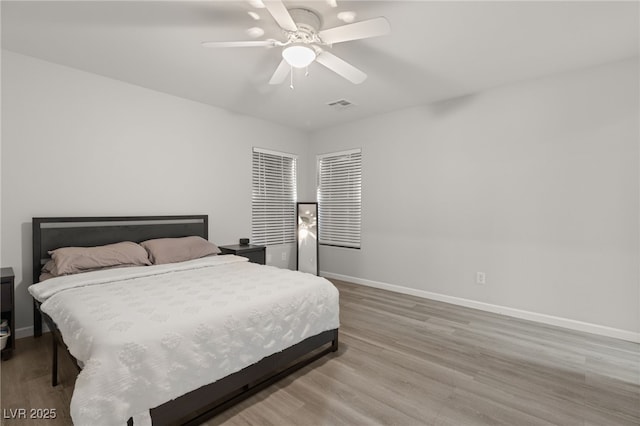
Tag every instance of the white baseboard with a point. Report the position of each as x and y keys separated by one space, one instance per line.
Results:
x=28 y=331
x=503 y=310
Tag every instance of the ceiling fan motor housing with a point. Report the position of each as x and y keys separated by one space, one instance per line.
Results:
x=308 y=22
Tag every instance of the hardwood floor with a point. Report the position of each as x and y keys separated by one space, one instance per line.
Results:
x=409 y=361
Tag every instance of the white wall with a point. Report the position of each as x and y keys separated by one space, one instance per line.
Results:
x=77 y=144
x=535 y=184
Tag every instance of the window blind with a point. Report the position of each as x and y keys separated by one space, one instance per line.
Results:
x=340 y=198
x=273 y=201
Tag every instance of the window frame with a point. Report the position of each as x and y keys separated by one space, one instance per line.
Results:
x=332 y=219
x=266 y=200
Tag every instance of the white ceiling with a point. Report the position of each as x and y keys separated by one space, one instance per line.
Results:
x=436 y=50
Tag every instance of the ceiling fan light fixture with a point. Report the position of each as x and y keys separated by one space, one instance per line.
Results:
x=299 y=55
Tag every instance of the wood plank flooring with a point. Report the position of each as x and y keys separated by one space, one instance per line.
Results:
x=409 y=361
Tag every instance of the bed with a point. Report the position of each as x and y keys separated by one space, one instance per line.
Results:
x=227 y=328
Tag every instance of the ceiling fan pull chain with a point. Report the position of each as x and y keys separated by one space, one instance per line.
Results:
x=306 y=73
x=291 y=74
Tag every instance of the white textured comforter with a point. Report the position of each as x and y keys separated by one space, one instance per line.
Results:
x=147 y=335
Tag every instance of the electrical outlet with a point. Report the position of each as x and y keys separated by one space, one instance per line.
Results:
x=284 y=255
x=481 y=278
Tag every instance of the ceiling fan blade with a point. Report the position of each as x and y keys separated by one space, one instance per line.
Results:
x=364 y=29
x=281 y=73
x=249 y=43
x=341 y=67
x=280 y=13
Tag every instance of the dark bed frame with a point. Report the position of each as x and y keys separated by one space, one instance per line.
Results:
x=195 y=407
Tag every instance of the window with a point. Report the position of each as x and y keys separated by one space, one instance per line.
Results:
x=273 y=203
x=340 y=198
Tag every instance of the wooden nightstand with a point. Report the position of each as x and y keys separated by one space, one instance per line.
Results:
x=7 y=310
x=255 y=254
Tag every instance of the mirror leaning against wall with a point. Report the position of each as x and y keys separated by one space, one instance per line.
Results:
x=307 y=238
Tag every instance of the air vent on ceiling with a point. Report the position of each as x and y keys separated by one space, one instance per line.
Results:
x=340 y=104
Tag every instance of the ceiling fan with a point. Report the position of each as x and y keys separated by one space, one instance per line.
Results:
x=306 y=42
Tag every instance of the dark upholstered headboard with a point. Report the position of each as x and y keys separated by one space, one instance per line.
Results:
x=50 y=233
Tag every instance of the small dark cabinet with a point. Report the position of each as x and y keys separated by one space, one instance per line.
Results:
x=255 y=254
x=7 y=308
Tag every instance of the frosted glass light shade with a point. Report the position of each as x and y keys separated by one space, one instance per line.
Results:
x=298 y=55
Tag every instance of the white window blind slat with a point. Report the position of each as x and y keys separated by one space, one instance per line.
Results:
x=340 y=198
x=273 y=199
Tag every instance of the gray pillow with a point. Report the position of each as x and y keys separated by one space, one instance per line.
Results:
x=171 y=250
x=72 y=260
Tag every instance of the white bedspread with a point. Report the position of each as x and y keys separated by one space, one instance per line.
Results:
x=147 y=335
